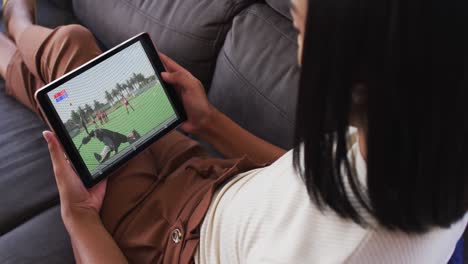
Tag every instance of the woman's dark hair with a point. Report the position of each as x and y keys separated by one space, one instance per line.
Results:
x=412 y=56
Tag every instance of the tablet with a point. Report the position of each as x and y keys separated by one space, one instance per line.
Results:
x=110 y=109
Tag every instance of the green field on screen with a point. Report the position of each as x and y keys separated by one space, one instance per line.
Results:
x=152 y=108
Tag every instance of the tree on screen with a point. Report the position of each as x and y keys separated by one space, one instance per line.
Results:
x=75 y=117
x=115 y=94
x=134 y=79
x=140 y=79
x=130 y=85
x=88 y=111
x=152 y=78
x=81 y=113
x=121 y=88
x=98 y=105
x=126 y=88
x=109 y=98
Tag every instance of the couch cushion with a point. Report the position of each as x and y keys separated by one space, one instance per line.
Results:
x=66 y=5
x=31 y=230
x=50 y=13
x=27 y=184
x=43 y=239
x=256 y=76
x=281 y=6
x=190 y=31
x=53 y=13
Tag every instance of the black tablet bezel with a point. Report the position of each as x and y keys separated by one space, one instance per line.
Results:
x=58 y=127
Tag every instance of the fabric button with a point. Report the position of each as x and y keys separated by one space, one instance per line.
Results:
x=176 y=236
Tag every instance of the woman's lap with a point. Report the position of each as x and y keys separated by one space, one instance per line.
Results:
x=132 y=183
x=44 y=55
x=156 y=202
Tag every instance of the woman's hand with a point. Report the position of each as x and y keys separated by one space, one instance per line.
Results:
x=75 y=199
x=193 y=96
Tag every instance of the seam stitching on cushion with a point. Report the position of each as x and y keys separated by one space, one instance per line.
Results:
x=222 y=28
x=252 y=12
x=208 y=42
x=218 y=43
x=255 y=89
x=230 y=13
x=229 y=19
x=279 y=11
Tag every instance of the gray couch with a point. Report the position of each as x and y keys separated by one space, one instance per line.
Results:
x=244 y=51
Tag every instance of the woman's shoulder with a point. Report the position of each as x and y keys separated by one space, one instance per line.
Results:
x=274 y=211
x=274 y=204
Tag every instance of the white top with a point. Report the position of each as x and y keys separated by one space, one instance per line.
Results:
x=266 y=216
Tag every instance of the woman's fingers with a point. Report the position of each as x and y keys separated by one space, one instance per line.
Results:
x=170 y=64
x=100 y=188
x=62 y=170
x=56 y=154
x=178 y=79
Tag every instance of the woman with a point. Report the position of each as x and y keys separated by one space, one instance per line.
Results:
x=397 y=195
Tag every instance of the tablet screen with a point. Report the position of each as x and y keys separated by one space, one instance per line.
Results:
x=112 y=108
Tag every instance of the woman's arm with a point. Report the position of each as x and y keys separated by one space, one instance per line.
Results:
x=75 y=251
x=232 y=140
x=80 y=212
x=91 y=241
x=207 y=123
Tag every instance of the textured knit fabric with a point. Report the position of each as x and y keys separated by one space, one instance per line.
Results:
x=266 y=216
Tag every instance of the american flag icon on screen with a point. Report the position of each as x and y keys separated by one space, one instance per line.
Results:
x=60 y=96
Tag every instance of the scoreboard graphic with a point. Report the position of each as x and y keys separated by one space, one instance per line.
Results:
x=60 y=96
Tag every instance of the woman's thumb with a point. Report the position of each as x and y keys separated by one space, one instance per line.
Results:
x=47 y=135
x=56 y=154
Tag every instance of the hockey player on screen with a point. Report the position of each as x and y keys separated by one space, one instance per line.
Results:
x=104 y=116
x=112 y=141
x=100 y=117
x=127 y=104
